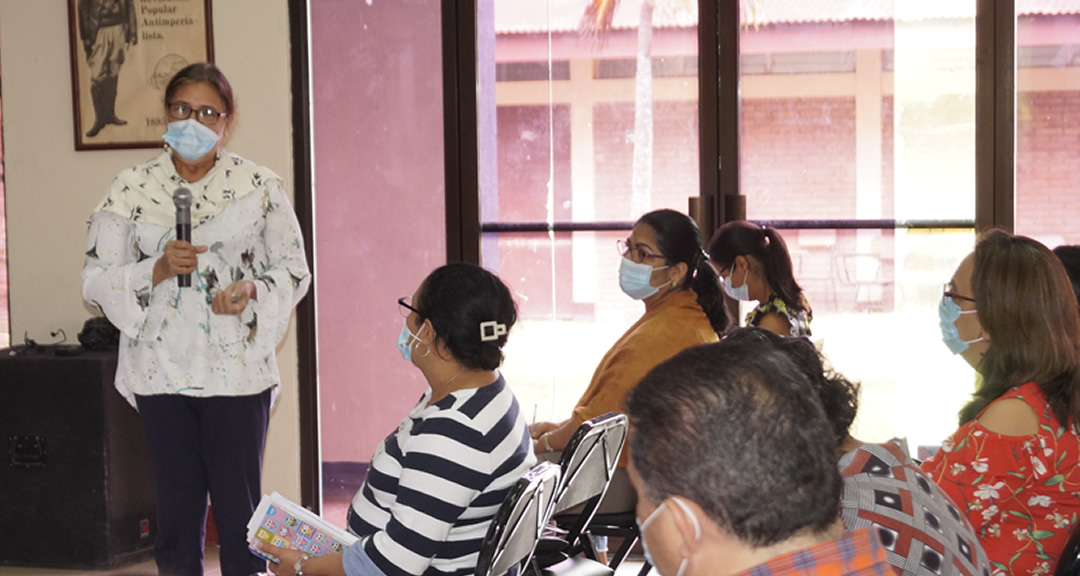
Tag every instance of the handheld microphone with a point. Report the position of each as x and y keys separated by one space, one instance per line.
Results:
x=182 y=200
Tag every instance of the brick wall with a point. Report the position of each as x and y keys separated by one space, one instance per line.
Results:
x=528 y=139
x=1047 y=170
x=675 y=157
x=798 y=158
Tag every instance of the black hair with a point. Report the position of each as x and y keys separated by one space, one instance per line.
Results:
x=737 y=428
x=1070 y=258
x=458 y=298
x=766 y=245
x=839 y=396
x=203 y=72
x=679 y=240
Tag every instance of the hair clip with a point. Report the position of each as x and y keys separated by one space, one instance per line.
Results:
x=491 y=330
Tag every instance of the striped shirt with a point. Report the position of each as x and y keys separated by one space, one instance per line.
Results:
x=435 y=484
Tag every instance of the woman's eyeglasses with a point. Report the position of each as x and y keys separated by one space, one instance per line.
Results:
x=635 y=253
x=206 y=115
x=950 y=291
x=405 y=307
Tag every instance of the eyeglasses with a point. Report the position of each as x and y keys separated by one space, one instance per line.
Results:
x=405 y=307
x=206 y=115
x=948 y=290
x=635 y=253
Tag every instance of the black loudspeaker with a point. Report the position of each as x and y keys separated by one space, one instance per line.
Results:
x=75 y=483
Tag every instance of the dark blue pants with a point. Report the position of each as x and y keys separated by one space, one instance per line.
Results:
x=201 y=446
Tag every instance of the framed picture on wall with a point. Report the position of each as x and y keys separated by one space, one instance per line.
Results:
x=123 y=53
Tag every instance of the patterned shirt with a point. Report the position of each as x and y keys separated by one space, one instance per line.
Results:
x=799 y=320
x=1021 y=493
x=171 y=342
x=857 y=553
x=919 y=526
x=435 y=483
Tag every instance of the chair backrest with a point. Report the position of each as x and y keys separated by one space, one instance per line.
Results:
x=1068 y=563
x=517 y=525
x=588 y=462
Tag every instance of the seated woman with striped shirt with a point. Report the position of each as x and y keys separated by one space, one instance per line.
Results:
x=435 y=483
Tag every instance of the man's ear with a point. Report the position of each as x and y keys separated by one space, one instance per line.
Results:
x=688 y=517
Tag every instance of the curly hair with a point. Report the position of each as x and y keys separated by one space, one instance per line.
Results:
x=839 y=396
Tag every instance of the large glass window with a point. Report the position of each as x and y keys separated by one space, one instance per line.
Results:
x=864 y=118
x=1048 y=121
x=594 y=125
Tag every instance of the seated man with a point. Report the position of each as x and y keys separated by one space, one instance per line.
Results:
x=922 y=530
x=734 y=471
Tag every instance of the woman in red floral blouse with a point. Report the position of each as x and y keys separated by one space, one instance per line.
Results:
x=1014 y=464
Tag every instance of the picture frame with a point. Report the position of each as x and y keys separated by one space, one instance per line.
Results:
x=123 y=54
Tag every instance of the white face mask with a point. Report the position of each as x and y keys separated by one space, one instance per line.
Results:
x=643 y=525
x=741 y=293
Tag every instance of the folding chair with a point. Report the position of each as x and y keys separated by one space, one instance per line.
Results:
x=1069 y=562
x=621 y=525
x=510 y=540
x=587 y=464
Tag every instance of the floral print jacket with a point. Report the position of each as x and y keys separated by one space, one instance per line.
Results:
x=171 y=342
x=1021 y=493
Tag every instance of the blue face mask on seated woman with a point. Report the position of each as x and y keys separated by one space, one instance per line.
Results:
x=948 y=313
x=635 y=279
x=190 y=138
x=405 y=342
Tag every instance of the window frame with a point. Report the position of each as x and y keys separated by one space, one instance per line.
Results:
x=719 y=199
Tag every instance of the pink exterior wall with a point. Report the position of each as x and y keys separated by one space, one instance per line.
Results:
x=1047 y=171
x=377 y=116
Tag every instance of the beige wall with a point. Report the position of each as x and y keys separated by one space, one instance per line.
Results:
x=51 y=188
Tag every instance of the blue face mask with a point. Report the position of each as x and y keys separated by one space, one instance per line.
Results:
x=190 y=139
x=742 y=293
x=636 y=279
x=405 y=342
x=948 y=313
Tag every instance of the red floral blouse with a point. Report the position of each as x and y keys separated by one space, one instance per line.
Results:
x=1020 y=493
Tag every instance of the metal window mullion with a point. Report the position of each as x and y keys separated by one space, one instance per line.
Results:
x=995 y=115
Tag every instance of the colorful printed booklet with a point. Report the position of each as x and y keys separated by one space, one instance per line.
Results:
x=285 y=524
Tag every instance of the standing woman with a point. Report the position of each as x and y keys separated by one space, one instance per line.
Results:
x=198 y=362
x=1012 y=466
x=663 y=266
x=755 y=265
